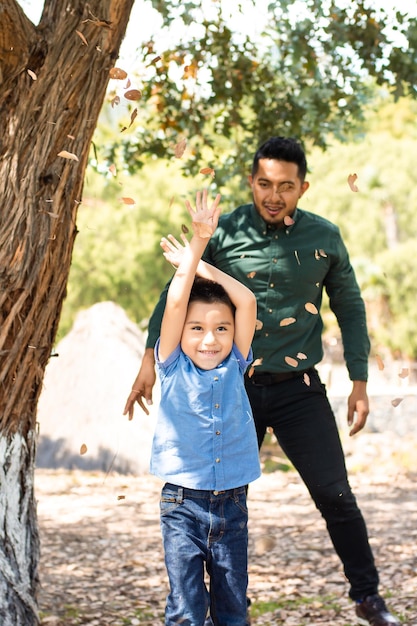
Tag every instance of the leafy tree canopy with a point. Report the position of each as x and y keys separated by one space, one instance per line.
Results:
x=307 y=73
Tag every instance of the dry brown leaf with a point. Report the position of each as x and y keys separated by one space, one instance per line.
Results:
x=286 y=321
x=185 y=229
x=121 y=497
x=396 y=401
x=117 y=73
x=68 y=155
x=380 y=362
x=133 y=94
x=126 y=200
x=112 y=169
x=83 y=448
x=81 y=36
x=306 y=379
x=288 y=221
x=291 y=361
x=133 y=117
x=311 y=308
x=208 y=170
x=128 y=83
x=204 y=231
x=179 y=148
x=259 y=325
x=403 y=373
x=251 y=275
x=155 y=60
x=32 y=75
x=352 y=178
x=115 y=101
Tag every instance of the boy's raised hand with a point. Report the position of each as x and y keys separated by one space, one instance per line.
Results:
x=204 y=219
x=173 y=249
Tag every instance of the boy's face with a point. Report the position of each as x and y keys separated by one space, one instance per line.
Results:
x=276 y=189
x=208 y=333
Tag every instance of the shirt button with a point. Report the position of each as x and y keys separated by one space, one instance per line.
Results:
x=272 y=285
x=217 y=432
x=216 y=378
x=266 y=334
x=217 y=460
x=270 y=311
x=276 y=237
x=274 y=260
x=216 y=406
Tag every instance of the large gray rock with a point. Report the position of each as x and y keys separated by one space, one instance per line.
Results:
x=84 y=393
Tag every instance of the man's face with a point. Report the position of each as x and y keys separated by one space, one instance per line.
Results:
x=276 y=190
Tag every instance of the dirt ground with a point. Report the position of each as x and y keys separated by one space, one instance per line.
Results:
x=102 y=561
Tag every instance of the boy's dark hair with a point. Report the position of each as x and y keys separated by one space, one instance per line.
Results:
x=282 y=149
x=208 y=291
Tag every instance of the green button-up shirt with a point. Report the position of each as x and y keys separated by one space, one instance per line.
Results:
x=287 y=269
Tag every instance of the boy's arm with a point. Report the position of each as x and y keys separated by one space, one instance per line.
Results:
x=204 y=222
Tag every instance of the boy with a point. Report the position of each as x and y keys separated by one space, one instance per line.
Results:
x=205 y=445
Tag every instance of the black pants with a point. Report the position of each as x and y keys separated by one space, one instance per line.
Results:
x=305 y=426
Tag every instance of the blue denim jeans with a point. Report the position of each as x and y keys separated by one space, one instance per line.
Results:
x=304 y=424
x=205 y=528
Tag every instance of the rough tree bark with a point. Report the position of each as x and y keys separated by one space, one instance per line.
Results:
x=53 y=80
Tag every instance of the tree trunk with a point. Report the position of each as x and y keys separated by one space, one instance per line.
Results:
x=53 y=80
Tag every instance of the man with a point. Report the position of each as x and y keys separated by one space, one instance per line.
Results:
x=287 y=256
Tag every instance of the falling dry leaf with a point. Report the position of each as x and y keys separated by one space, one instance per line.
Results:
x=380 y=362
x=286 y=321
x=117 y=73
x=291 y=361
x=121 y=497
x=179 y=148
x=133 y=117
x=396 y=401
x=301 y=356
x=204 y=231
x=251 y=275
x=68 y=155
x=128 y=83
x=83 y=448
x=352 y=178
x=155 y=60
x=133 y=94
x=258 y=362
x=115 y=101
x=311 y=308
x=81 y=36
x=128 y=200
x=208 y=170
x=403 y=373
x=112 y=169
x=288 y=221
x=185 y=229
x=306 y=378
x=258 y=325
x=32 y=75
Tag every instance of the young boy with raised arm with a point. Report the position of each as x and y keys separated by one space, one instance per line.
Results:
x=205 y=446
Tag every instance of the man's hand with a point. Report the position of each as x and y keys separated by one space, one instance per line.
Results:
x=358 y=403
x=142 y=387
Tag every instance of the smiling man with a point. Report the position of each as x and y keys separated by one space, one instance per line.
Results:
x=287 y=257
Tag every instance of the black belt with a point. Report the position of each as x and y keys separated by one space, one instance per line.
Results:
x=269 y=378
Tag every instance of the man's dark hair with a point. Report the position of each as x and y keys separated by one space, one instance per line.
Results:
x=208 y=291
x=282 y=149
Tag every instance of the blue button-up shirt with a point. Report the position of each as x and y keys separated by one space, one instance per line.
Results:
x=205 y=435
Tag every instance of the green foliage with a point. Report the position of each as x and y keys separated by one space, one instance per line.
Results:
x=308 y=74
x=398 y=331
x=117 y=255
